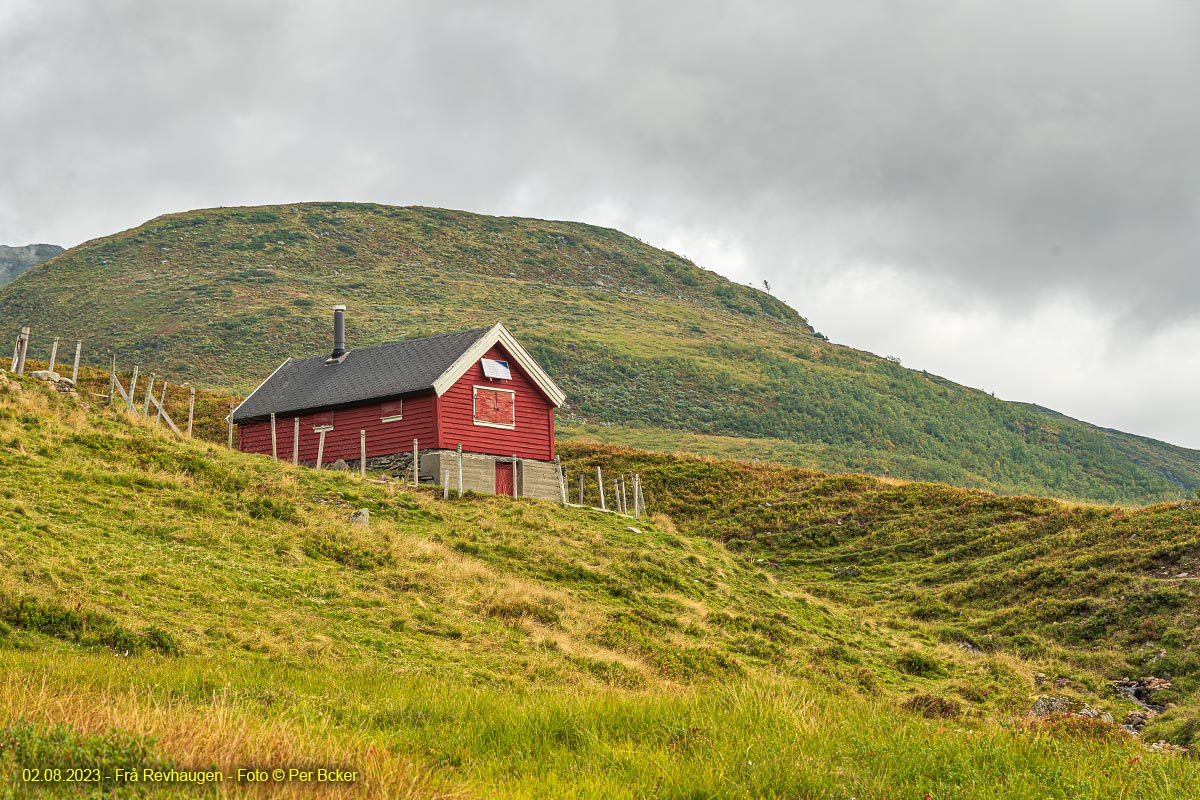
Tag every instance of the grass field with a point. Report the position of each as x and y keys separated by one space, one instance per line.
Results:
x=170 y=604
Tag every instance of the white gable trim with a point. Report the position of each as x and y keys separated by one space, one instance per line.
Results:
x=498 y=334
x=286 y=361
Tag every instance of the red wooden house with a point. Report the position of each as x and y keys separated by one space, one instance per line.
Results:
x=476 y=391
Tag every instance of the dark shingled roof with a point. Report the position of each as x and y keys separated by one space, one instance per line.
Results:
x=368 y=373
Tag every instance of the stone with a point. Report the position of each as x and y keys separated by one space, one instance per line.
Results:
x=1136 y=720
x=632 y=529
x=45 y=375
x=340 y=465
x=1046 y=705
x=361 y=517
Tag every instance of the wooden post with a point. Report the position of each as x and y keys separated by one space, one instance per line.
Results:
x=446 y=485
x=321 y=447
x=561 y=474
x=16 y=347
x=515 y=475
x=274 y=441
x=120 y=391
x=162 y=412
x=229 y=438
x=296 y=441
x=600 y=483
x=624 y=497
x=637 y=490
x=53 y=355
x=191 y=410
x=617 y=496
x=416 y=467
x=112 y=380
x=580 y=490
x=162 y=402
x=460 y=488
x=132 y=389
x=75 y=367
x=22 y=350
x=362 y=454
x=149 y=391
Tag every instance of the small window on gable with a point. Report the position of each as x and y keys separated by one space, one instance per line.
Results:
x=391 y=411
x=496 y=369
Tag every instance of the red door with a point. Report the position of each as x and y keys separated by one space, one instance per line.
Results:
x=504 y=477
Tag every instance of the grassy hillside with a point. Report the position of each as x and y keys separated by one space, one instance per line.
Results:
x=648 y=346
x=1102 y=592
x=172 y=604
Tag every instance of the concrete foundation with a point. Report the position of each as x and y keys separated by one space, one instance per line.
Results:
x=538 y=479
x=531 y=478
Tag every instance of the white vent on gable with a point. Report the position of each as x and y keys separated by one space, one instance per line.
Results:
x=496 y=369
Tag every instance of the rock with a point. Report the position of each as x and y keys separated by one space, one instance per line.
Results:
x=45 y=375
x=1136 y=720
x=634 y=530
x=361 y=517
x=340 y=465
x=1141 y=690
x=1046 y=705
x=1062 y=683
x=1039 y=679
x=846 y=572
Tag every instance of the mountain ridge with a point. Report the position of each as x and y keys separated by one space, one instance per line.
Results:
x=16 y=260
x=649 y=346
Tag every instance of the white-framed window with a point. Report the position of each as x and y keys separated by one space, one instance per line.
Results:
x=494 y=408
x=391 y=411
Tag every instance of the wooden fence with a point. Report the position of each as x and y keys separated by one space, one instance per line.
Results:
x=152 y=408
x=625 y=491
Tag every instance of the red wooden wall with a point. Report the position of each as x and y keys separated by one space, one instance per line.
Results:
x=436 y=422
x=383 y=438
x=533 y=436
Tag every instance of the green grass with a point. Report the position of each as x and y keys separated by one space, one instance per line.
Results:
x=498 y=648
x=1094 y=593
x=649 y=347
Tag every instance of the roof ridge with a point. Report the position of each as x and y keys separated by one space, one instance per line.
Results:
x=480 y=331
x=384 y=369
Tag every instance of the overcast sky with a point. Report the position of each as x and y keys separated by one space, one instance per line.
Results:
x=1004 y=193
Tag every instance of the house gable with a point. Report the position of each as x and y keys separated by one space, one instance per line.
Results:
x=498 y=334
x=517 y=419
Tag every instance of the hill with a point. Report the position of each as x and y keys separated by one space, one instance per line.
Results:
x=652 y=350
x=170 y=604
x=15 y=260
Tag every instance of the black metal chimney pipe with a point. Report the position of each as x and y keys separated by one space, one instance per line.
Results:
x=339 y=334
